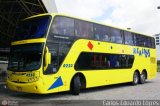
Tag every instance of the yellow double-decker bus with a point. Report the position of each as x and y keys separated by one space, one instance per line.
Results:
x=54 y=52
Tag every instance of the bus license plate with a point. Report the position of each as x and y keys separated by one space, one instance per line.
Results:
x=19 y=88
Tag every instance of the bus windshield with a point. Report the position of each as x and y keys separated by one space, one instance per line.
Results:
x=32 y=28
x=25 y=57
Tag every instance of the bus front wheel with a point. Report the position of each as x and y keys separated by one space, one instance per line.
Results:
x=135 y=78
x=76 y=85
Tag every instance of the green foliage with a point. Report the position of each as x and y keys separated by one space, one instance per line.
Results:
x=158 y=66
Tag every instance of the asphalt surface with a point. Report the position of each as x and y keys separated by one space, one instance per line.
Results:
x=148 y=91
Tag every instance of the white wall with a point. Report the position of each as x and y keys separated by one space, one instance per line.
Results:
x=50 y=6
x=158 y=52
x=157 y=46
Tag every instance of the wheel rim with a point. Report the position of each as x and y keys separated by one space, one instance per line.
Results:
x=136 y=79
x=143 y=77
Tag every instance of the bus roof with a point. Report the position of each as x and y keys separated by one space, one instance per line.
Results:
x=58 y=14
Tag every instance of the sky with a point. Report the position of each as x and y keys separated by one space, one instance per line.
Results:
x=139 y=15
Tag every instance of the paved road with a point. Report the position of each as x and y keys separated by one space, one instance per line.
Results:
x=148 y=91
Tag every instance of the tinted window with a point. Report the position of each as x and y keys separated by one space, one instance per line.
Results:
x=32 y=28
x=26 y=57
x=53 y=67
x=63 y=50
x=116 y=36
x=97 y=61
x=153 y=42
x=101 y=33
x=83 y=29
x=63 y=26
x=144 y=41
x=128 y=38
x=148 y=42
x=140 y=40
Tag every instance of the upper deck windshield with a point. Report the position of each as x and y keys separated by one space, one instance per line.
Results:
x=26 y=57
x=32 y=28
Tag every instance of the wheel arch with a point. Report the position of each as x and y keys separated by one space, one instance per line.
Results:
x=82 y=80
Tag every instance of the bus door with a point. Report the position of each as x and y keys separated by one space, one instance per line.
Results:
x=64 y=72
x=58 y=53
x=51 y=76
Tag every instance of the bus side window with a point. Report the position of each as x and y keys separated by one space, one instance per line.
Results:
x=63 y=26
x=114 y=61
x=128 y=36
x=83 y=29
x=106 y=38
x=116 y=36
x=97 y=37
x=98 y=61
x=152 y=42
x=106 y=61
x=101 y=32
x=140 y=40
x=63 y=50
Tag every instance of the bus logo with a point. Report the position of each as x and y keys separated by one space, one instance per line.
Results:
x=141 y=52
x=4 y=102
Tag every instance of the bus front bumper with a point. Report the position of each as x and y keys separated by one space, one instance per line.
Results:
x=34 y=87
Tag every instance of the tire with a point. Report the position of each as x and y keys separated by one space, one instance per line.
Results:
x=142 y=78
x=76 y=85
x=135 y=78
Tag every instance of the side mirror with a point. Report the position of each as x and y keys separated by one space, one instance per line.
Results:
x=47 y=57
x=48 y=68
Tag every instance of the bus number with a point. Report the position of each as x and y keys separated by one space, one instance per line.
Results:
x=67 y=65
